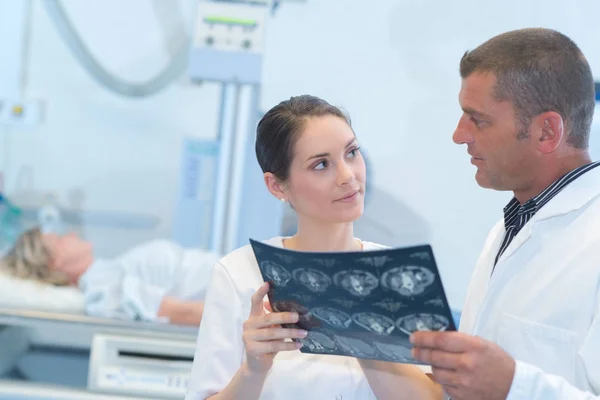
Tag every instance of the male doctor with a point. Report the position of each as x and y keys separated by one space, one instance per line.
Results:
x=530 y=327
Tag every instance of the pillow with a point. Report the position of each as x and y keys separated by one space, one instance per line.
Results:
x=33 y=295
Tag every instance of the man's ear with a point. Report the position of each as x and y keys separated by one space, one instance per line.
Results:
x=275 y=186
x=550 y=131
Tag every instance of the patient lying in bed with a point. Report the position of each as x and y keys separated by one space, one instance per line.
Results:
x=156 y=281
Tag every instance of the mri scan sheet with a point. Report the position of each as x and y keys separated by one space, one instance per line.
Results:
x=361 y=304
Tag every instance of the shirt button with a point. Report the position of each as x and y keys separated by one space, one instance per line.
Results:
x=338 y=397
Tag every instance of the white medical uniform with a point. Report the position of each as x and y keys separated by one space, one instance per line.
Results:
x=220 y=350
x=542 y=302
x=132 y=286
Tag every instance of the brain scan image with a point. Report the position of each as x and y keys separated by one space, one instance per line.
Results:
x=325 y=262
x=390 y=305
x=305 y=317
x=422 y=322
x=437 y=302
x=355 y=347
x=346 y=303
x=313 y=280
x=376 y=261
x=394 y=352
x=318 y=342
x=303 y=297
x=356 y=282
x=408 y=280
x=332 y=316
x=285 y=258
x=377 y=323
x=276 y=273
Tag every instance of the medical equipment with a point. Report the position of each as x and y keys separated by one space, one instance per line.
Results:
x=227 y=48
x=176 y=65
x=129 y=365
x=122 y=358
x=198 y=184
x=228 y=42
x=80 y=51
x=50 y=218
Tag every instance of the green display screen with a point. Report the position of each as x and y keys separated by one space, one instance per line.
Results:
x=230 y=21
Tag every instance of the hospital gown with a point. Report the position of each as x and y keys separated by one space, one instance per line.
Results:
x=133 y=285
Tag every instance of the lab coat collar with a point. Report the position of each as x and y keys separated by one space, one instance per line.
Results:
x=573 y=197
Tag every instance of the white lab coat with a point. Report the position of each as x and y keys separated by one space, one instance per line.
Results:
x=132 y=286
x=542 y=302
x=220 y=349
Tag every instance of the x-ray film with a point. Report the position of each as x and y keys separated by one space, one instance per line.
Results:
x=360 y=304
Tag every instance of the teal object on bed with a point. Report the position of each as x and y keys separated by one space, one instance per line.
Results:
x=10 y=224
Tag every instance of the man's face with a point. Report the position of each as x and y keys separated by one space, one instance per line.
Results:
x=500 y=147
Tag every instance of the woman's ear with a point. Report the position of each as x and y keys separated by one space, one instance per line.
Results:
x=275 y=186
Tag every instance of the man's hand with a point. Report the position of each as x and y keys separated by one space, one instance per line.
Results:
x=467 y=367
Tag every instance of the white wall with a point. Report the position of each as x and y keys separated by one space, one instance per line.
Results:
x=393 y=65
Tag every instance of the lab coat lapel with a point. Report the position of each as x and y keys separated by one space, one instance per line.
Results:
x=522 y=237
x=497 y=277
x=478 y=288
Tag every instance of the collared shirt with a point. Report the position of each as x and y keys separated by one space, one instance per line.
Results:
x=517 y=215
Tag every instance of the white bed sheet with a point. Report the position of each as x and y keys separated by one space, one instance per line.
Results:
x=32 y=295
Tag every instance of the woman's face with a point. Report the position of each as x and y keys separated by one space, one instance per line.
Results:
x=327 y=175
x=69 y=254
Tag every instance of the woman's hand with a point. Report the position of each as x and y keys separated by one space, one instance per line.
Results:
x=263 y=335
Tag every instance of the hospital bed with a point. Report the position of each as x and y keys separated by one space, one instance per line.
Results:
x=53 y=355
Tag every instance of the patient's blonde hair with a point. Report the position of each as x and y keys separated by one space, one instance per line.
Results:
x=30 y=259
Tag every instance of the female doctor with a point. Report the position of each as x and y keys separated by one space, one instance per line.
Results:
x=310 y=158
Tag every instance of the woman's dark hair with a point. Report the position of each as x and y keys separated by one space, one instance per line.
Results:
x=279 y=129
